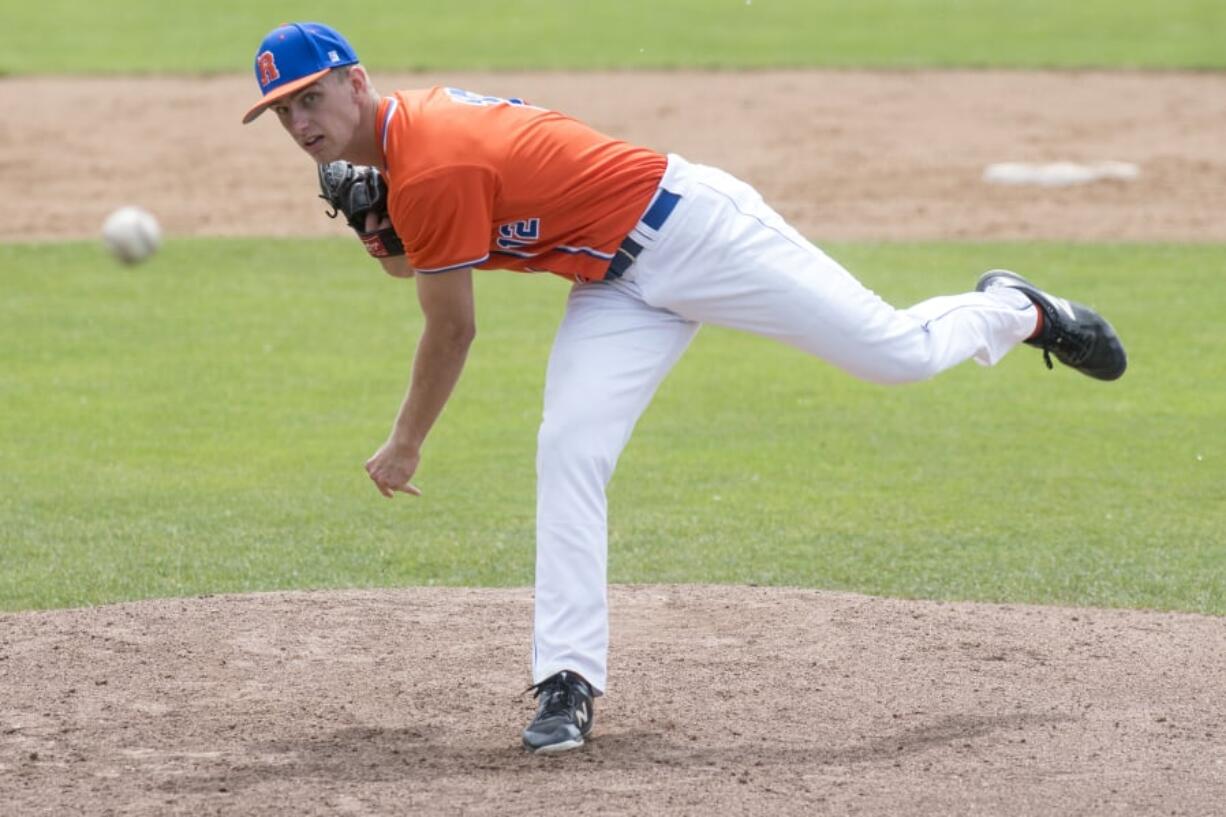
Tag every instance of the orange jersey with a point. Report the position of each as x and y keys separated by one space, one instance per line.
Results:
x=495 y=183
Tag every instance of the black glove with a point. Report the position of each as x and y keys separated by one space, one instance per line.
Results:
x=357 y=190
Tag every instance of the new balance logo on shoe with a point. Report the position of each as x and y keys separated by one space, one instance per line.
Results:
x=1065 y=307
x=581 y=716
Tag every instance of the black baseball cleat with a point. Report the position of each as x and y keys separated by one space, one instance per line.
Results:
x=1078 y=336
x=564 y=716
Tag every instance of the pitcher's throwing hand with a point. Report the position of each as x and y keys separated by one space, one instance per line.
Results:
x=391 y=468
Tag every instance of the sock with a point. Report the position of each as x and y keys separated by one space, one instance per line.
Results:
x=1038 y=324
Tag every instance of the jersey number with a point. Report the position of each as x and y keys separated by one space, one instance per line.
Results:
x=470 y=98
x=519 y=233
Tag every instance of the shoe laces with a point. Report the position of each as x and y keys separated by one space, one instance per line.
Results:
x=556 y=694
x=1070 y=344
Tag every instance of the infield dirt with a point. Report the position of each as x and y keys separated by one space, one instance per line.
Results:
x=738 y=700
x=843 y=155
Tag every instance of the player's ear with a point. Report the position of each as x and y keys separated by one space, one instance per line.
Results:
x=359 y=80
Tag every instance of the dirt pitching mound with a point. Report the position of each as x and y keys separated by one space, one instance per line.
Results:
x=723 y=700
x=844 y=155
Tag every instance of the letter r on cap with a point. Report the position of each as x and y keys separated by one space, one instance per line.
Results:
x=268 y=68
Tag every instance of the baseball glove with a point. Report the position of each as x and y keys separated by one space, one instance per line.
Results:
x=357 y=190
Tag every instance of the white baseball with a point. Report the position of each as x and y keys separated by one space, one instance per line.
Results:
x=132 y=234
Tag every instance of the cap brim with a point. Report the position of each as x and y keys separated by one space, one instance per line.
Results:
x=282 y=92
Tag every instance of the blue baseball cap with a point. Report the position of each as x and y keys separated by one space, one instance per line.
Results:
x=293 y=56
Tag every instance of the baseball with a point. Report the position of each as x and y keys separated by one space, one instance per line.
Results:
x=132 y=234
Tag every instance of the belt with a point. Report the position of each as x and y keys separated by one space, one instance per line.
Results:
x=656 y=215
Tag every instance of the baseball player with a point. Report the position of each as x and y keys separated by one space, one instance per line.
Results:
x=442 y=181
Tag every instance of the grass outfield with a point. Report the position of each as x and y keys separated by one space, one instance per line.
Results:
x=221 y=35
x=199 y=424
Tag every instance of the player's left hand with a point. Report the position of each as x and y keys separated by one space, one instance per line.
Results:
x=391 y=468
x=359 y=191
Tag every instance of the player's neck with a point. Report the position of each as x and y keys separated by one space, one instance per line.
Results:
x=364 y=149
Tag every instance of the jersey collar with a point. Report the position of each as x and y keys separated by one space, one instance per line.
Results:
x=387 y=109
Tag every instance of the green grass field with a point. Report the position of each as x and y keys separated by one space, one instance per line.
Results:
x=221 y=35
x=199 y=424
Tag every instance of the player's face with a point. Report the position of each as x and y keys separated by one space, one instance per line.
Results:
x=322 y=118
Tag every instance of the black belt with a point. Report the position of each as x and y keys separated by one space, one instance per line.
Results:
x=656 y=215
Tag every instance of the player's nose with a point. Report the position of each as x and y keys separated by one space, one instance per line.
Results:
x=298 y=120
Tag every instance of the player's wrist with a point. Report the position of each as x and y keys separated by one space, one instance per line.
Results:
x=382 y=243
x=405 y=441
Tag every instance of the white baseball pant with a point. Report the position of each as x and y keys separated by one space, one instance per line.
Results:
x=722 y=257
